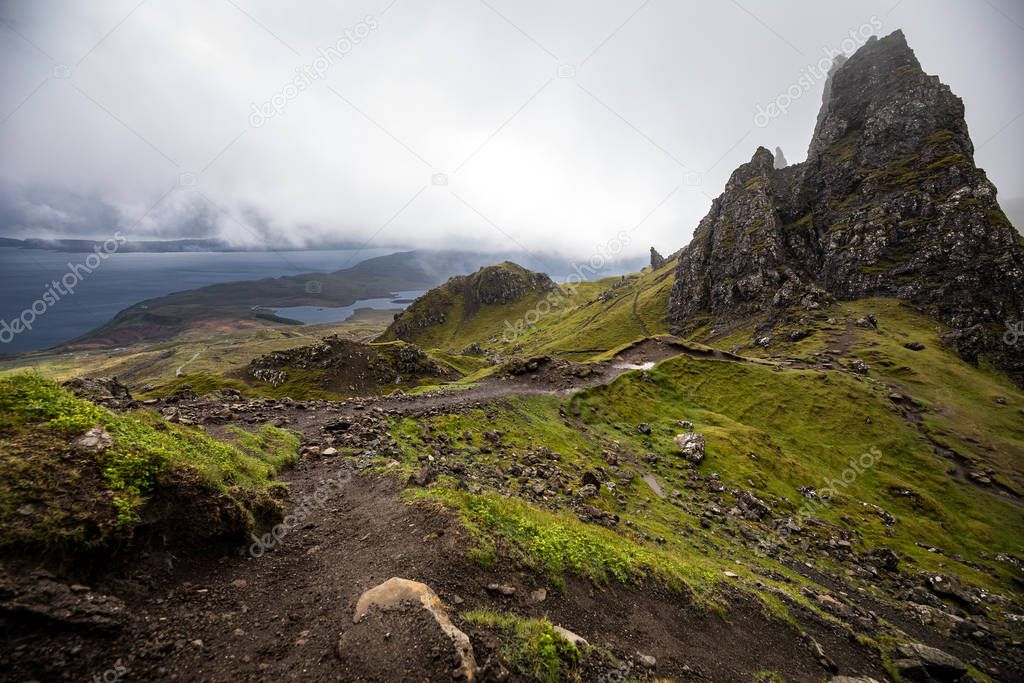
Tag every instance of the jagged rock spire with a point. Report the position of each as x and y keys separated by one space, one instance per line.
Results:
x=780 y=158
x=889 y=203
x=657 y=260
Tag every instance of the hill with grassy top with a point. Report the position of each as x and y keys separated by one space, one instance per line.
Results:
x=465 y=306
x=573 y=319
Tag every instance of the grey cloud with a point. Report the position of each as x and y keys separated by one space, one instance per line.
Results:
x=557 y=125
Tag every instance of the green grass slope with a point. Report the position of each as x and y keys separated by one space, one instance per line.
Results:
x=887 y=455
x=972 y=412
x=577 y=320
x=200 y=359
x=60 y=497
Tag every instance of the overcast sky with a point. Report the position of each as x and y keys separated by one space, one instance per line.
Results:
x=556 y=125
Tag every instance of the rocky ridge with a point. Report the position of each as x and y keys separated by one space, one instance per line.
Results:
x=889 y=203
x=346 y=366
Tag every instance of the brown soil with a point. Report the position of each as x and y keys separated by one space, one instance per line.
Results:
x=281 y=615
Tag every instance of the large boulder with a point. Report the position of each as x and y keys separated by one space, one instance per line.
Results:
x=398 y=629
x=657 y=260
x=920 y=662
x=692 y=446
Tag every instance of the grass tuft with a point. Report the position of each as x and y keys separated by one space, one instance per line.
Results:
x=531 y=647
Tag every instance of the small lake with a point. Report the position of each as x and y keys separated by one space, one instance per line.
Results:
x=336 y=314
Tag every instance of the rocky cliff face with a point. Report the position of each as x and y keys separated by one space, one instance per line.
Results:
x=888 y=203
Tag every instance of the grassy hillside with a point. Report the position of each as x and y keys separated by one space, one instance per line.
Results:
x=769 y=432
x=202 y=359
x=63 y=493
x=966 y=412
x=580 y=321
x=858 y=464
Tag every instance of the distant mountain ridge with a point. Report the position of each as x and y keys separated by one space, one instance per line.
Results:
x=148 y=246
x=889 y=203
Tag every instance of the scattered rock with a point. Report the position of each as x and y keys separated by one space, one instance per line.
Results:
x=41 y=597
x=949 y=588
x=692 y=446
x=752 y=506
x=868 y=321
x=591 y=513
x=424 y=475
x=337 y=426
x=860 y=367
x=108 y=392
x=834 y=607
x=883 y=558
x=914 y=346
x=93 y=442
x=980 y=478
x=473 y=349
x=823 y=659
x=647 y=661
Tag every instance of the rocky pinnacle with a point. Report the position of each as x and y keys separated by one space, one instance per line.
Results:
x=889 y=203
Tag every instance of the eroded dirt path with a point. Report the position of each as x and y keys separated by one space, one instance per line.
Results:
x=278 y=613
